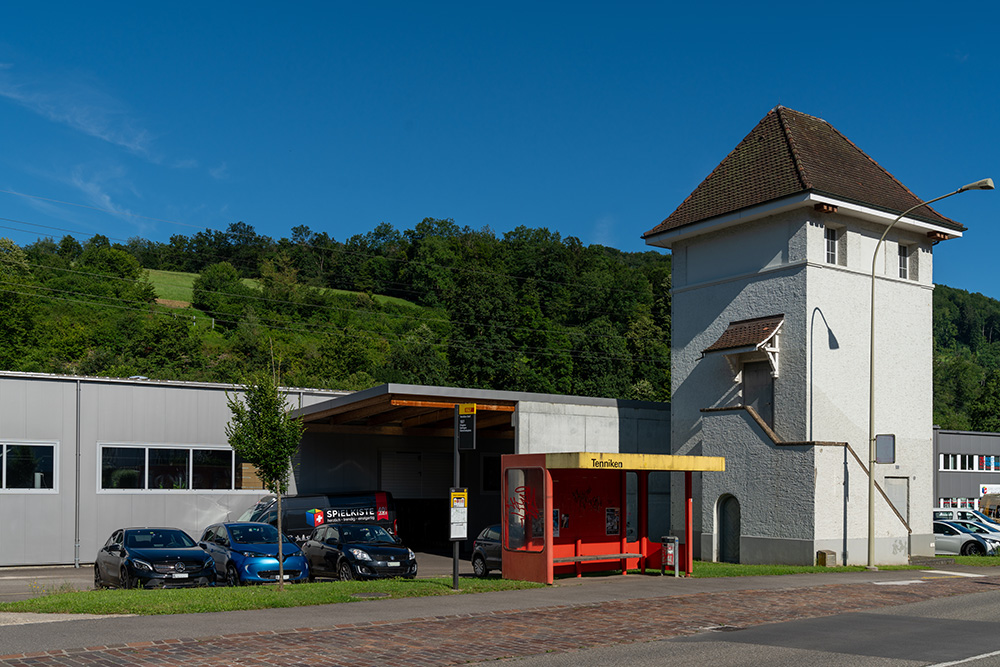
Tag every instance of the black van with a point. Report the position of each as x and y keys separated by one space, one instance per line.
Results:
x=301 y=514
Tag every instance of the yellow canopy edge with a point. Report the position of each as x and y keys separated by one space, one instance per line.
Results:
x=603 y=461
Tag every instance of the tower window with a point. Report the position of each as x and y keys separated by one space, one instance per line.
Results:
x=831 y=245
x=904 y=261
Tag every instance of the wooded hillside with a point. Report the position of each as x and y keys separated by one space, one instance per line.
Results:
x=437 y=304
x=528 y=311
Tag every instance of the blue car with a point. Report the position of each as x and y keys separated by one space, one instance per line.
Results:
x=247 y=552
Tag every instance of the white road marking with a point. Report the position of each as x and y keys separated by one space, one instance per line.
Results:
x=905 y=582
x=954 y=574
x=12 y=618
x=981 y=656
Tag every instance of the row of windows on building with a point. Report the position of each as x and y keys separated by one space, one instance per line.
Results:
x=970 y=462
x=33 y=466
x=835 y=251
x=961 y=503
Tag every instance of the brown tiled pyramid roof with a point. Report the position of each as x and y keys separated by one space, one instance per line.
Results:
x=745 y=333
x=789 y=153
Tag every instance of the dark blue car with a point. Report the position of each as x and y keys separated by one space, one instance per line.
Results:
x=349 y=551
x=152 y=558
x=247 y=552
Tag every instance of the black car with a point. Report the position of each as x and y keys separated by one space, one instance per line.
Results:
x=152 y=558
x=486 y=551
x=357 y=551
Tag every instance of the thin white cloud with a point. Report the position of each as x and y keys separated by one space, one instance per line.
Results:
x=78 y=104
x=603 y=230
x=94 y=185
x=220 y=173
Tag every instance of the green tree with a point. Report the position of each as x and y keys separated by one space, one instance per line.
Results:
x=220 y=292
x=17 y=309
x=265 y=435
x=985 y=410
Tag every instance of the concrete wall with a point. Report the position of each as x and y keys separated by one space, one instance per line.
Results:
x=602 y=426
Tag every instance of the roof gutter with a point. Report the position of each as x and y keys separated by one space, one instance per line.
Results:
x=666 y=239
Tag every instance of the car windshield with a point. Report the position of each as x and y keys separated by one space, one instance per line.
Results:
x=248 y=515
x=973 y=528
x=157 y=538
x=263 y=533
x=360 y=534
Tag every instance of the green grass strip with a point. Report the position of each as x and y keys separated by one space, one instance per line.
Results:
x=197 y=600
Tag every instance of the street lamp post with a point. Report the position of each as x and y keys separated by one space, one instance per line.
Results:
x=985 y=184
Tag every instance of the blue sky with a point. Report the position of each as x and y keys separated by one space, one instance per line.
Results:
x=593 y=120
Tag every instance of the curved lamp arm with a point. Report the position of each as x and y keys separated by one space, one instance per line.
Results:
x=984 y=184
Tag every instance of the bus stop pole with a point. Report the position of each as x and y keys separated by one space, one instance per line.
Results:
x=455 y=482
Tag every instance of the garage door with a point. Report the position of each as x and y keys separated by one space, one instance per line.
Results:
x=416 y=474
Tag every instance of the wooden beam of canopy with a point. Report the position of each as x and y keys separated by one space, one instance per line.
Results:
x=450 y=405
x=507 y=434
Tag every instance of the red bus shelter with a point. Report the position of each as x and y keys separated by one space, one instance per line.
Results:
x=566 y=512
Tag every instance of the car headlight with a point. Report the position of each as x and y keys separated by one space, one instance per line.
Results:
x=250 y=554
x=360 y=554
x=141 y=565
x=412 y=555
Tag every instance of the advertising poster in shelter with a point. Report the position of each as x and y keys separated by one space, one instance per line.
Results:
x=612 y=521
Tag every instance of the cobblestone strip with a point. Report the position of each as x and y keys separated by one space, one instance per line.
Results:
x=450 y=640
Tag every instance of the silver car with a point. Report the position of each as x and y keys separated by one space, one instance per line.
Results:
x=951 y=539
x=989 y=531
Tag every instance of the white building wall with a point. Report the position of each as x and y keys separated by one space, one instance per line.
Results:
x=778 y=265
x=838 y=388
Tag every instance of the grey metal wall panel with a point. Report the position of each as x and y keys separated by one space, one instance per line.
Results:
x=39 y=527
x=34 y=525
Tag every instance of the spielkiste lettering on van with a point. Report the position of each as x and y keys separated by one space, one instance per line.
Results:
x=598 y=463
x=339 y=513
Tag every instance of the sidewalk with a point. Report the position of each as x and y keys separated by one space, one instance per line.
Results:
x=574 y=614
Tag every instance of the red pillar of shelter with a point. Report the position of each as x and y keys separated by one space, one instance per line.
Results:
x=688 y=521
x=643 y=502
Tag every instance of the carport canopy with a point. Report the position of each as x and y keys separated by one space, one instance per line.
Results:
x=410 y=411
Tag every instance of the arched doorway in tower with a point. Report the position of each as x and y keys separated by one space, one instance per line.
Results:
x=729 y=529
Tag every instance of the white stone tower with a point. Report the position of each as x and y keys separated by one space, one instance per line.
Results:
x=772 y=259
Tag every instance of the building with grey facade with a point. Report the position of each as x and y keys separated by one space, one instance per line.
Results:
x=81 y=457
x=966 y=467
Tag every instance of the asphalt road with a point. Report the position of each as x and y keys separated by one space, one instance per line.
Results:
x=941 y=631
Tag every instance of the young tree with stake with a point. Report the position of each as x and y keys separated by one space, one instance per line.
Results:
x=263 y=433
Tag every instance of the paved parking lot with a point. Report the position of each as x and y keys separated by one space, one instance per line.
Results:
x=18 y=583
